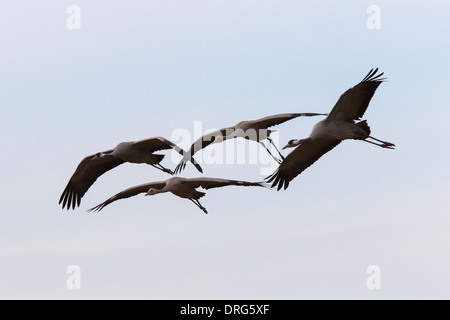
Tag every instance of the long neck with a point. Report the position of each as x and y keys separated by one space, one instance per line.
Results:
x=156 y=191
x=163 y=190
x=303 y=140
x=299 y=142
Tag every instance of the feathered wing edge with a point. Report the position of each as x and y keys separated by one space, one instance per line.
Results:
x=160 y=143
x=127 y=193
x=370 y=77
x=84 y=177
x=209 y=183
x=299 y=160
x=200 y=144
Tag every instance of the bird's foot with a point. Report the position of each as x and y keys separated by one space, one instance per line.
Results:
x=388 y=145
x=204 y=210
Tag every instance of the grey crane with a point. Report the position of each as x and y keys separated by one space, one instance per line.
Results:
x=181 y=187
x=93 y=166
x=339 y=125
x=255 y=130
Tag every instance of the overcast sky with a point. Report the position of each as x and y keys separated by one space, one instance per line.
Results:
x=150 y=68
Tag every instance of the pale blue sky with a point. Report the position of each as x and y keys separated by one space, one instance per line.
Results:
x=149 y=68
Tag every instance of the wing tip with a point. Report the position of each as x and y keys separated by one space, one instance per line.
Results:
x=69 y=199
x=277 y=181
x=181 y=165
x=373 y=77
x=97 y=208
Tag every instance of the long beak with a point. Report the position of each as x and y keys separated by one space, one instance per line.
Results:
x=286 y=146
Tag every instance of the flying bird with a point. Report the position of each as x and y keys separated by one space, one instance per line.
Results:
x=181 y=187
x=339 y=125
x=255 y=130
x=93 y=166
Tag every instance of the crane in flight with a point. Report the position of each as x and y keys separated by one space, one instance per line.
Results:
x=255 y=130
x=339 y=125
x=181 y=187
x=93 y=166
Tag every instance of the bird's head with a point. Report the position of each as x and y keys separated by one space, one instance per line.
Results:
x=292 y=143
x=97 y=156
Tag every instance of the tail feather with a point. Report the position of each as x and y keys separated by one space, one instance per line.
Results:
x=365 y=126
x=159 y=157
x=198 y=195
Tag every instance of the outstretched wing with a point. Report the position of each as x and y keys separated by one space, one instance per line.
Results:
x=298 y=160
x=202 y=143
x=270 y=121
x=353 y=103
x=209 y=183
x=84 y=177
x=130 y=192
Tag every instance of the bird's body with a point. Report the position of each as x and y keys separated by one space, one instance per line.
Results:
x=126 y=152
x=339 y=125
x=340 y=130
x=254 y=130
x=95 y=165
x=181 y=187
